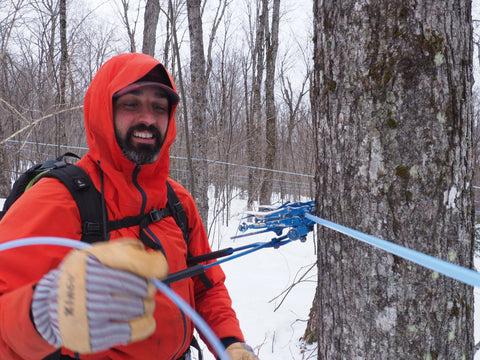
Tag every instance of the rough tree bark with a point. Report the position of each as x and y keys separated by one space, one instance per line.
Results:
x=150 y=21
x=271 y=39
x=61 y=135
x=198 y=90
x=393 y=119
x=255 y=112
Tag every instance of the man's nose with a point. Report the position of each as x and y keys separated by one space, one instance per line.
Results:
x=146 y=117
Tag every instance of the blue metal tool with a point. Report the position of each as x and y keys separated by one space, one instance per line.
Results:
x=289 y=216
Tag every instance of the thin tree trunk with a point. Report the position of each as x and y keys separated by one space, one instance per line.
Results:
x=166 y=46
x=198 y=89
x=393 y=125
x=5 y=176
x=152 y=13
x=258 y=66
x=62 y=77
x=176 y=54
x=130 y=30
x=270 y=111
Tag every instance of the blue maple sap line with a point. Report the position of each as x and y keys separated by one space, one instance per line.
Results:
x=457 y=272
x=298 y=219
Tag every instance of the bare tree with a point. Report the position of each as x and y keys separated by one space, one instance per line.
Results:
x=150 y=22
x=172 y=20
x=393 y=126
x=293 y=104
x=61 y=136
x=131 y=28
x=198 y=107
x=168 y=36
x=6 y=27
x=254 y=115
x=271 y=39
x=43 y=79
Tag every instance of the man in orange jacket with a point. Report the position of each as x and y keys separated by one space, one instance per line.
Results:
x=58 y=303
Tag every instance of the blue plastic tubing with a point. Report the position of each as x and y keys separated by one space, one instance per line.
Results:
x=200 y=324
x=454 y=271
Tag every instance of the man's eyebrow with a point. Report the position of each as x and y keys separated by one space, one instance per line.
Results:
x=134 y=92
x=161 y=94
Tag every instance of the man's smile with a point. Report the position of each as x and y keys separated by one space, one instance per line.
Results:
x=143 y=135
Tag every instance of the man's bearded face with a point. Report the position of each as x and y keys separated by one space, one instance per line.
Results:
x=140 y=152
x=141 y=121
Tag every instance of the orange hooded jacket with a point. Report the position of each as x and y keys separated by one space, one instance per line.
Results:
x=48 y=209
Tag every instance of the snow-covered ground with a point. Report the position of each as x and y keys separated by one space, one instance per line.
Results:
x=476 y=313
x=272 y=318
x=273 y=315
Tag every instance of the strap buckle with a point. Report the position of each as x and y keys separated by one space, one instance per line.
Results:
x=91 y=228
x=157 y=215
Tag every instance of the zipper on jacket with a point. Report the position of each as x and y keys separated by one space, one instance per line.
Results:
x=184 y=334
x=135 y=173
x=145 y=232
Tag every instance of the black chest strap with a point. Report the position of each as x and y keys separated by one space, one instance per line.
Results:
x=87 y=197
x=92 y=212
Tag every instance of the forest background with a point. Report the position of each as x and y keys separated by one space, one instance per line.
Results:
x=48 y=57
x=243 y=70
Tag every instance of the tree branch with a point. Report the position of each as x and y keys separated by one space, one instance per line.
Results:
x=287 y=290
x=35 y=122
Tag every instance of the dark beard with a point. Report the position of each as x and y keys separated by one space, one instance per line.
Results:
x=140 y=154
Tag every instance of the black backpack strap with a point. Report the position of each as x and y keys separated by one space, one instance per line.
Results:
x=180 y=216
x=196 y=345
x=87 y=197
x=178 y=212
x=90 y=205
x=57 y=355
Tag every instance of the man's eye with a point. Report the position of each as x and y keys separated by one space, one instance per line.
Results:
x=160 y=108
x=130 y=105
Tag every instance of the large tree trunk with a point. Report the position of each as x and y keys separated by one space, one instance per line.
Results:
x=198 y=89
x=393 y=119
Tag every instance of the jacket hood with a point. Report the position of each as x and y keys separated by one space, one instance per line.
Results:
x=115 y=74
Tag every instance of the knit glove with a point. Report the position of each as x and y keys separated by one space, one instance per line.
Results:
x=241 y=351
x=99 y=297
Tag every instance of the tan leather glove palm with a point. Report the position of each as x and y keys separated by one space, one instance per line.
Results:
x=241 y=351
x=99 y=297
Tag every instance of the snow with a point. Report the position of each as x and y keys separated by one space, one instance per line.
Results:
x=476 y=311
x=258 y=284
x=272 y=318
x=273 y=315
